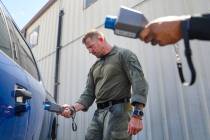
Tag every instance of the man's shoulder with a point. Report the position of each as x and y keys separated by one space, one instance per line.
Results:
x=123 y=51
x=126 y=54
x=95 y=63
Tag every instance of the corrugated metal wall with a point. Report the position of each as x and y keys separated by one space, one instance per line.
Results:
x=173 y=112
x=45 y=50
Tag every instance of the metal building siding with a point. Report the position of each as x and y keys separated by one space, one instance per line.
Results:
x=173 y=112
x=47 y=32
x=46 y=67
x=45 y=50
x=78 y=20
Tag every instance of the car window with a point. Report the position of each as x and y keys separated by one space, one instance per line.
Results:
x=22 y=53
x=26 y=58
x=5 y=45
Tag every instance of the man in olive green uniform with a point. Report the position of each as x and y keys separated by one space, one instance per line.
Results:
x=109 y=85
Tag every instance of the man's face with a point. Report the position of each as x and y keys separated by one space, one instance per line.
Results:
x=94 y=46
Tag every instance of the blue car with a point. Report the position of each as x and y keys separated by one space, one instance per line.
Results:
x=22 y=94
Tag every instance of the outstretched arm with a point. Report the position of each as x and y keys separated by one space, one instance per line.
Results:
x=163 y=31
x=168 y=30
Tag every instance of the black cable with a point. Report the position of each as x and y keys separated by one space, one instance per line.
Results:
x=188 y=55
x=74 y=125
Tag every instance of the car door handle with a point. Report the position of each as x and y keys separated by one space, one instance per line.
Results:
x=22 y=97
x=21 y=92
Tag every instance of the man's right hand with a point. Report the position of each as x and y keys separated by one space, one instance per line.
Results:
x=67 y=112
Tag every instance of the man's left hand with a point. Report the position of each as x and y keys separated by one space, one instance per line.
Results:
x=135 y=125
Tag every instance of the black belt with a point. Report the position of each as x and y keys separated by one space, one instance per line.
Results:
x=112 y=102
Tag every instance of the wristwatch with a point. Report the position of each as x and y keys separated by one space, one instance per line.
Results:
x=138 y=113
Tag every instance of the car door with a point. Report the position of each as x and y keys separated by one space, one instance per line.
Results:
x=14 y=88
x=36 y=87
x=37 y=115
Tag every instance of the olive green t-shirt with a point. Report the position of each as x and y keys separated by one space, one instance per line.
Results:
x=111 y=78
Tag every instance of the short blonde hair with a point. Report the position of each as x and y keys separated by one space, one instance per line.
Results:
x=92 y=34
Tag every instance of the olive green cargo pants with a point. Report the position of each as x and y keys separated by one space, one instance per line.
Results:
x=110 y=123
